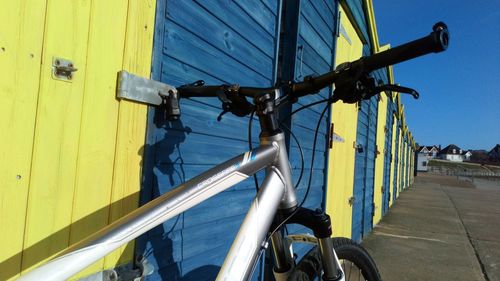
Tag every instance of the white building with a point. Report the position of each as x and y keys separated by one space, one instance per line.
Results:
x=467 y=155
x=452 y=153
x=425 y=153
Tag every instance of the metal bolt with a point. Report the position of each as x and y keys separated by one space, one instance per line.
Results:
x=57 y=62
x=70 y=65
x=32 y=56
x=3 y=49
x=18 y=177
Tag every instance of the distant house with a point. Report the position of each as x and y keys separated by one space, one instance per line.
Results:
x=479 y=156
x=425 y=153
x=467 y=155
x=452 y=153
x=494 y=154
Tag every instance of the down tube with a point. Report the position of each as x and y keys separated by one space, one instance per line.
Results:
x=244 y=252
x=169 y=205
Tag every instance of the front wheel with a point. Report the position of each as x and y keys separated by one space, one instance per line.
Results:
x=355 y=260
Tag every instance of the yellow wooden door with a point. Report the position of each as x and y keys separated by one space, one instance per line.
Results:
x=21 y=35
x=70 y=152
x=341 y=157
x=393 y=160
x=379 y=160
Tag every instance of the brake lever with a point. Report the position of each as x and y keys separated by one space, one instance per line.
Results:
x=233 y=102
x=399 y=89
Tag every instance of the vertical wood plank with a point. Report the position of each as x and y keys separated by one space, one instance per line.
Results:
x=399 y=167
x=379 y=161
x=131 y=131
x=59 y=140
x=342 y=156
x=21 y=25
x=99 y=120
x=57 y=133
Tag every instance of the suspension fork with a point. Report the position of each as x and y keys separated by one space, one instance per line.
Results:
x=317 y=221
x=320 y=223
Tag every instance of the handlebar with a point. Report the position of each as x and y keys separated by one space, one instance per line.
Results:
x=347 y=76
x=435 y=42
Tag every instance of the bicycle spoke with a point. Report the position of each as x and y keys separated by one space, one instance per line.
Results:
x=351 y=271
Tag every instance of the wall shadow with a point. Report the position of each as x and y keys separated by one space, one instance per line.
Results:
x=174 y=134
x=162 y=159
x=45 y=248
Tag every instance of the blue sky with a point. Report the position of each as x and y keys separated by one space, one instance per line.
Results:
x=460 y=88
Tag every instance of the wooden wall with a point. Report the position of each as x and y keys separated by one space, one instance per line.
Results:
x=71 y=153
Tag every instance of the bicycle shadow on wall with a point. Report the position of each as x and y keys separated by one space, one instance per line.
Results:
x=51 y=245
x=161 y=242
x=163 y=169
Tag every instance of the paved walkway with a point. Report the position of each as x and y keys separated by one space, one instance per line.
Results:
x=440 y=228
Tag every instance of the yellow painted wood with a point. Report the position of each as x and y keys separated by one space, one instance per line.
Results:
x=341 y=156
x=21 y=32
x=400 y=163
x=87 y=148
x=57 y=133
x=372 y=26
x=94 y=175
x=379 y=160
x=403 y=167
x=393 y=159
x=381 y=127
x=132 y=121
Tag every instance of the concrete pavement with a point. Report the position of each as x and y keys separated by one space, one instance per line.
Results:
x=441 y=228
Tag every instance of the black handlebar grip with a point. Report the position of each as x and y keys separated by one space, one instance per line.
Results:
x=435 y=42
x=198 y=91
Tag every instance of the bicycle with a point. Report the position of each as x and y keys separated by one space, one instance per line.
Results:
x=275 y=204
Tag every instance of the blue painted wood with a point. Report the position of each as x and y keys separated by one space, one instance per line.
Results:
x=356 y=7
x=220 y=42
x=408 y=164
x=360 y=171
x=405 y=180
x=364 y=177
x=396 y=162
x=387 y=156
x=370 y=168
x=405 y=163
x=314 y=50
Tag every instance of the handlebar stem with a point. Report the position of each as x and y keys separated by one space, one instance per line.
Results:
x=264 y=108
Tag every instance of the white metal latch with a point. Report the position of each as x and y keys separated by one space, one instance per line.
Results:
x=62 y=69
x=134 y=88
x=143 y=90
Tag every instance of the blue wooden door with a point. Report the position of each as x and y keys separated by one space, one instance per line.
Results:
x=406 y=163
x=387 y=157
x=396 y=163
x=313 y=56
x=362 y=218
x=219 y=42
x=369 y=204
x=403 y=164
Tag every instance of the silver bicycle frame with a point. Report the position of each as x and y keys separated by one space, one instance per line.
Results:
x=244 y=250
x=276 y=192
